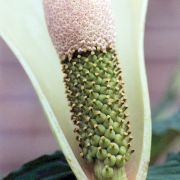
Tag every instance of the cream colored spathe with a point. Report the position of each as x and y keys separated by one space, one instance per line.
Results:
x=22 y=26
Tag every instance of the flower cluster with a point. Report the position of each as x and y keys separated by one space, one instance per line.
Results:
x=96 y=94
x=83 y=34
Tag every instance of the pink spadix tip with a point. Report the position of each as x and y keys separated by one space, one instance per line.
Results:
x=79 y=25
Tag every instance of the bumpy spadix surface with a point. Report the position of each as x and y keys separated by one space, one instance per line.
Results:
x=82 y=32
x=96 y=94
x=79 y=24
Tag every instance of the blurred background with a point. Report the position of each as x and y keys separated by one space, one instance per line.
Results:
x=24 y=131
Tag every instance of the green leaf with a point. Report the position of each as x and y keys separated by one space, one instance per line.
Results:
x=164 y=131
x=168 y=171
x=50 y=167
x=46 y=167
x=171 y=123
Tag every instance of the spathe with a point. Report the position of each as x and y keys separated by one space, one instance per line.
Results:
x=22 y=26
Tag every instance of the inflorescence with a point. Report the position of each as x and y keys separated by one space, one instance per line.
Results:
x=82 y=32
x=95 y=91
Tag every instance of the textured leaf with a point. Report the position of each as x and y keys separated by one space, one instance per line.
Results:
x=164 y=131
x=171 y=123
x=168 y=171
x=49 y=167
x=166 y=118
x=46 y=167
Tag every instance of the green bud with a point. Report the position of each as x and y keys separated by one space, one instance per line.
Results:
x=102 y=97
x=101 y=118
x=104 y=142
x=108 y=122
x=100 y=129
x=96 y=113
x=88 y=85
x=128 y=156
x=121 y=131
x=124 y=143
x=113 y=148
x=104 y=109
x=93 y=122
x=110 y=92
x=87 y=143
x=109 y=133
x=103 y=89
x=107 y=172
x=113 y=115
x=122 y=150
x=116 y=127
x=95 y=140
x=99 y=81
x=110 y=160
x=99 y=104
x=116 y=107
x=101 y=153
x=118 y=139
x=97 y=88
x=119 y=161
x=95 y=95
x=94 y=57
x=119 y=120
x=91 y=77
x=93 y=151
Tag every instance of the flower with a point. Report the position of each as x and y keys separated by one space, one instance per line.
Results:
x=30 y=42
